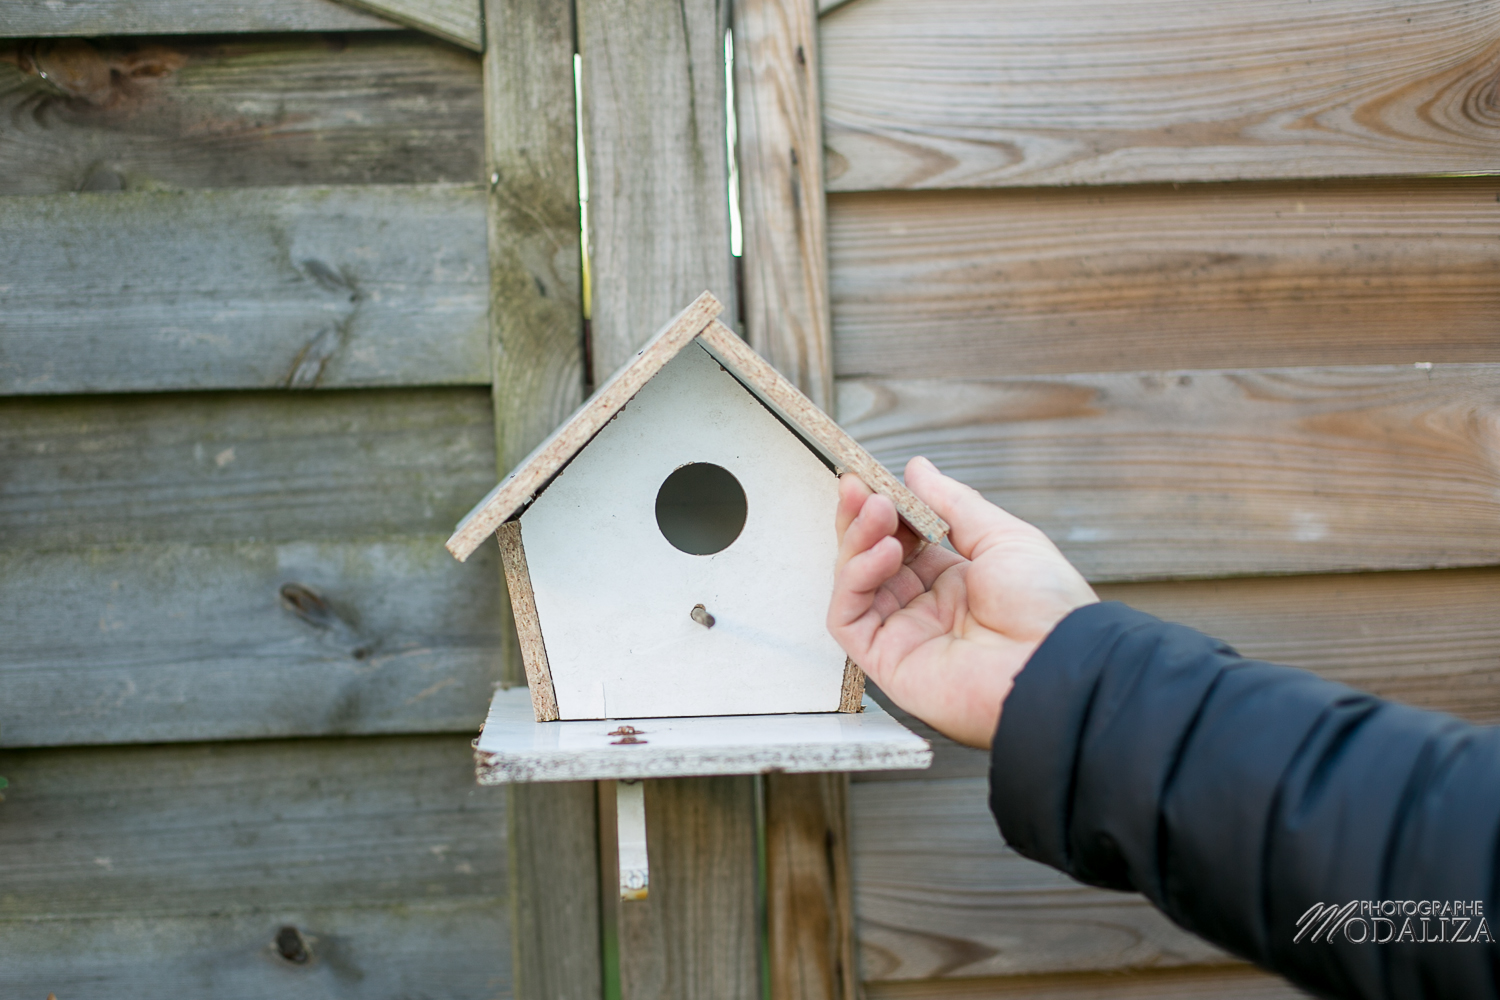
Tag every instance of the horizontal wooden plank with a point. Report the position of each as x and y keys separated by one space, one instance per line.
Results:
x=1430 y=639
x=938 y=894
x=170 y=871
x=459 y=21
x=246 y=640
x=1137 y=279
x=253 y=288
x=264 y=466
x=968 y=93
x=50 y=18
x=224 y=112
x=1140 y=476
x=1223 y=982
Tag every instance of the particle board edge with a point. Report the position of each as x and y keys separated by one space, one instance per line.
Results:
x=528 y=624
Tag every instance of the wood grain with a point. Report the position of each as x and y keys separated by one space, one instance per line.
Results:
x=809 y=906
x=529 y=476
x=1218 y=473
x=965 y=93
x=215 y=467
x=162 y=643
x=938 y=894
x=289 y=287
x=654 y=111
x=1220 y=982
x=554 y=869
x=1430 y=639
x=528 y=625
x=536 y=304
x=224 y=112
x=695 y=935
x=150 y=871
x=457 y=21
x=1137 y=279
x=41 y=18
x=537 y=354
x=817 y=429
x=780 y=157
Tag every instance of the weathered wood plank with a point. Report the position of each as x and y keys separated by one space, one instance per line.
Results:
x=1430 y=639
x=781 y=191
x=458 y=21
x=536 y=350
x=51 y=18
x=809 y=900
x=938 y=894
x=695 y=934
x=223 y=112
x=1218 y=473
x=967 y=93
x=809 y=910
x=1222 y=982
x=294 y=288
x=654 y=111
x=273 y=467
x=166 y=871
x=244 y=641
x=654 y=121
x=536 y=298
x=1138 y=279
x=554 y=871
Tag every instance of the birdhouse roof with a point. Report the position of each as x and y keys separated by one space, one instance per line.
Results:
x=697 y=322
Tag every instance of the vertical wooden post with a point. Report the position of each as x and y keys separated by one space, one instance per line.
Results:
x=536 y=347
x=809 y=895
x=810 y=910
x=654 y=113
x=655 y=135
x=779 y=113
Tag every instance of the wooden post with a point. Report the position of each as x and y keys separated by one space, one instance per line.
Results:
x=655 y=136
x=779 y=114
x=809 y=904
x=536 y=347
x=809 y=898
x=654 y=113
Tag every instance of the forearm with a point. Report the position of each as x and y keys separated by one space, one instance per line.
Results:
x=1235 y=794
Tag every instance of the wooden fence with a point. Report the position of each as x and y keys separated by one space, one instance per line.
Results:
x=1206 y=292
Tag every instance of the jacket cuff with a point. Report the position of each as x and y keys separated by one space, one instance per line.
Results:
x=1033 y=758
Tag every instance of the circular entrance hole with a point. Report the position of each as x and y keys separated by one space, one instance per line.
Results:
x=700 y=508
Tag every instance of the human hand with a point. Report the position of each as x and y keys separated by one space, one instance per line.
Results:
x=945 y=634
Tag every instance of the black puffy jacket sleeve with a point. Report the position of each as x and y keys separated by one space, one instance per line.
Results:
x=1137 y=755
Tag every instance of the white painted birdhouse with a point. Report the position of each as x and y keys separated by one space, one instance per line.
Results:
x=670 y=549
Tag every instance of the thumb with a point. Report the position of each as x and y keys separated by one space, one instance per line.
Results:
x=974 y=523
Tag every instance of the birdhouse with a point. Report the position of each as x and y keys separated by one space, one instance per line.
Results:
x=669 y=553
x=670 y=550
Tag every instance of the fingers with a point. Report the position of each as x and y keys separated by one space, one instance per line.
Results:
x=851 y=611
x=973 y=521
x=852 y=495
x=875 y=519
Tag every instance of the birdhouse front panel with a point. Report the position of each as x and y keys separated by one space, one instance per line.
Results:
x=682 y=562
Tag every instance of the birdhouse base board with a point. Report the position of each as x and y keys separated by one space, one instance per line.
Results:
x=513 y=747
